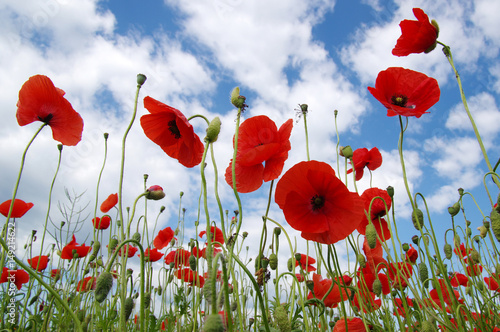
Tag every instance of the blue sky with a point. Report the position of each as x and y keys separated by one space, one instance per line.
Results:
x=281 y=53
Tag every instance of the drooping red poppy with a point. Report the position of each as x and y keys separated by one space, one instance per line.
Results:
x=376 y=211
x=152 y=255
x=179 y=257
x=131 y=250
x=109 y=203
x=259 y=141
x=315 y=202
x=72 y=250
x=86 y=284
x=416 y=36
x=40 y=100
x=170 y=129
x=411 y=255
x=354 y=324
x=101 y=223
x=163 y=238
x=41 y=261
x=474 y=270
x=337 y=294
x=18 y=277
x=306 y=263
x=217 y=236
x=19 y=209
x=405 y=92
x=361 y=158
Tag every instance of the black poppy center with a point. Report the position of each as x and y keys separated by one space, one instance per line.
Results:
x=46 y=119
x=172 y=126
x=399 y=100
x=317 y=202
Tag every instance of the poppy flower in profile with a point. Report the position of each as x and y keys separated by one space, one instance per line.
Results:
x=492 y=282
x=101 y=223
x=40 y=100
x=262 y=152
x=354 y=324
x=405 y=92
x=361 y=158
x=170 y=129
x=189 y=276
x=19 y=209
x=86 y=284
x=19 y=277
x=416 y=36
x=315 y=202
x=217 y=236
x=337 y=294
x=40 y=261
x=152 y=255
x=109 y=203
x=163 y=238
x=306 y=263
x=459 y=279
x=411 y=255
x=179 y=257
x=72 y=250
x=376 y=211
x=131 y=250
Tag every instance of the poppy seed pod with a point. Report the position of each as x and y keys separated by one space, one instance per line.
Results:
x=141 y=79
x=213 y=130
x=103 y=286
x=371 y=235
x=237 y=100
x=214 y=323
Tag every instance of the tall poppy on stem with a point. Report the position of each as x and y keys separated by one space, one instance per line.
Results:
x=361 y=158
x=109 y=203
x=40 y=100
x=315 y=202
x=19 y=209
x=101 y=223
x=377 y=211
x=405 y=92
x=416 y=36
x=217 y=235
x=72 y=250
x=40 y=261
x=262 y=152
x=170 y=129
x=163 y=238
x=19 y=277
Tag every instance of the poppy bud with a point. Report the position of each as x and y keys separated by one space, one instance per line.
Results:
x=417 y=216
x=99 y=262
x=414 y=239
x=303 y=108
x=298 y=257
x=281 y=318
x=147 y=299
x=456 y=240
x=273 y=261
x=483 y=231
x=371 y=235
x=162 y=208
x=237 y=100
x=377 y=287
x=106 y=135
x=213 y=130
x=159 y=290
x=290 y=265
x=264 y=262
x=96 y=247
x=448 y=250
x=103 y=286
x=207 y=289
x=141 y=79
x=33 y=300
x=346 y=152
x=155 y=193
x=245 y=234
x=59 y=147
x=495 y=223
x=112 y=244
x=213 y=323
x=136 y=237
x=129 y=306
x=277 y=231
x=362 y=260
x=406 y=247
x=461 y=191
x=454 y=209
x=423 y=274
x=474 y=256
x=192 y=263
x=310 y=285
x=390 y=191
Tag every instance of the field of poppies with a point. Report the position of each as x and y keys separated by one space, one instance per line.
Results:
x=208 y=283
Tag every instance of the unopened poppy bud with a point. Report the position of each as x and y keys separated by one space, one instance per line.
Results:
x=141 y=79
x=390 y=191
x=96 y=247
x=273 y=261
x=129 y=306
x=298 y=257
x=112 y=244
x=213 y=130
x=264 y=262
x=281 y=318
x=426 y=326
x=106 y=135
x=495 y=223
x=277 y=231
x=414 y=239
x=346 y=152
x=480 y=285
x=129 y=272
x=483 y=231
x=406 y=247
x=245 y=234
x=310 y=285
x=417 y=217
x=423 y=274
x=290 y=265
x=99 y=262
x=155 y=193
x=448 y=250
x=103 y=286
x=136 y=237
x=371 y=235
x=237 y=100
x=213 y=323
x=377 y=287
x=474 y=256
x=192 y=262
x=63 y=223
x=159 y=290
x=303 y=108
x=454 y=209
x=362 y=260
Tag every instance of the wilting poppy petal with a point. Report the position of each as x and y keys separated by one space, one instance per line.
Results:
x=416 y=36
x=163 y=238
x=40 y=261
x=19 y=209
x=170 y=129
x=40 y=100
x=315 y=202
x=405 y=92
x=109 y=203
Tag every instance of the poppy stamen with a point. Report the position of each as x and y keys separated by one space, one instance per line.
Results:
x=172 y=126
x=317 y=202
x=46 y=119
x=399 y=100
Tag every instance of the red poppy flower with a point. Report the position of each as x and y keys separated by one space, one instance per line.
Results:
x=315 y=202
x=259 y=141
x=109 y=203
x=188 y=275
x=169 y=128
x=306 y=263
x=366 y=278
x=179 y=257
x=337 y=294
x=101 y=223
x=400 y=307
x=416 y=36
x=405 y=92
x=492 y=282
x=374 y=257
x=399 y=273
x=72 y=250
x=445 y=293
x=131 y=250
x=462 y=252
x=152 y=255
x=18 y=277
x=377 y=211
x=164 y=325
x=354 y=324
x=54 y=273
x=459 y=279
x=19 y=209
x=362 y=158
x=86 y=284
x=412 y=255
x=40 y=261
x=163 y=238
x=474 y=270
x=364 y=299
x=217 y=236
x=40 y=100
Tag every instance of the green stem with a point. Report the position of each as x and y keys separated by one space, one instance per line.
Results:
x=307 y=135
